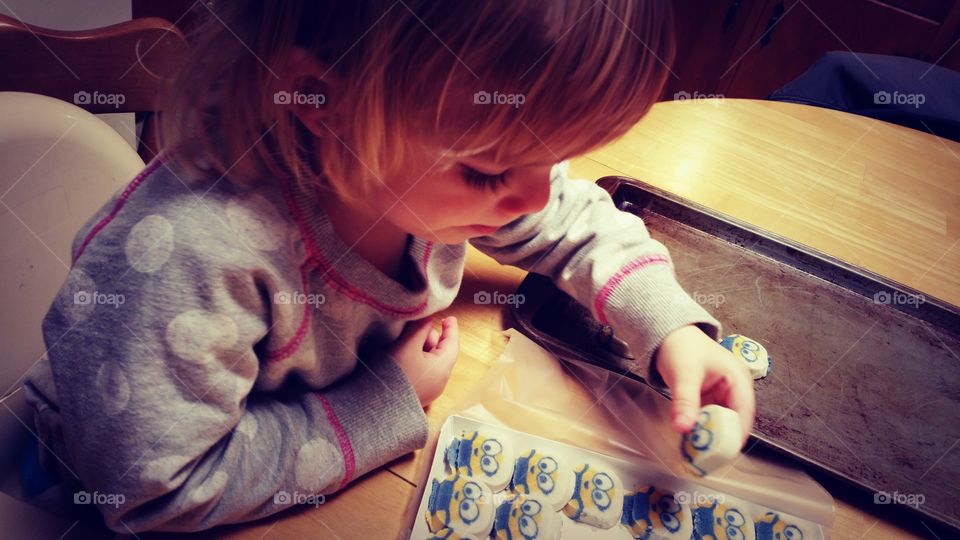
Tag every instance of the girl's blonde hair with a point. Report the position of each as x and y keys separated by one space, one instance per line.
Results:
x=585 y=70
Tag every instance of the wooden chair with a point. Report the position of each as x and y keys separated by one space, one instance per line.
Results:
x=118 y=68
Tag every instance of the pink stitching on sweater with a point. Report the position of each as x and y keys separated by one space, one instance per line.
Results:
x=332 y=277
x=619 y=276
x=426 y=257
x=349 y=461
x=127 y=192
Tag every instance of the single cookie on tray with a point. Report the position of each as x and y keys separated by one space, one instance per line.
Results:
x=656 y=514
x=714 y=441
x=486 y=456
x=597 y=497
x=776 y=526
x=460 y=503
x=752 y=353
x=527 y=518
x=547 y=476
x=721 y=521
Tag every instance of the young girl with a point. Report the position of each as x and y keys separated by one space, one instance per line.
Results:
x=280 y=262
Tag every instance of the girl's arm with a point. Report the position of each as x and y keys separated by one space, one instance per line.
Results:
x=606 y=260
x=152 y=395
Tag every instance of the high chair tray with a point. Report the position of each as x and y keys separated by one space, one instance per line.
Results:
x=865 y=384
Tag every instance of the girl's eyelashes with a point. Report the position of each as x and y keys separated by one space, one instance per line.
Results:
x=481 y=180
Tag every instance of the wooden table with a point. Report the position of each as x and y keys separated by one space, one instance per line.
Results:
x=874 y=194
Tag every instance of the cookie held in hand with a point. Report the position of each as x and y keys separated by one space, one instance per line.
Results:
x=714 y=441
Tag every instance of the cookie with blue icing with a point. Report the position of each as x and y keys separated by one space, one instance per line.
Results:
x=526 y=518
x=714 y=441
x=720 y=521
x=460 y=504
x=752 y=353
x=597 y=498
x=487 y=456
x=776 y=526
x=650 y=513
x=545 y=475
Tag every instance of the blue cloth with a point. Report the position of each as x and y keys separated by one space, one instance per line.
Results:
x=33 y=478
x=894 y=89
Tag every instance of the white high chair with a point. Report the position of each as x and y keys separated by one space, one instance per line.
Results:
x=58 y=165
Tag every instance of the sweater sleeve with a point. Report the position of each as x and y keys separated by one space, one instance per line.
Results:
x=153 y=364
x=606 y=260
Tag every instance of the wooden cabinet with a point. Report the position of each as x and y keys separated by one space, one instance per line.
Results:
x=748 y=48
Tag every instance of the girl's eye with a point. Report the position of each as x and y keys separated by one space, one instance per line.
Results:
x=482 y=181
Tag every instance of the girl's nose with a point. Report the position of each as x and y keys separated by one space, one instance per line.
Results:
x=525 y=196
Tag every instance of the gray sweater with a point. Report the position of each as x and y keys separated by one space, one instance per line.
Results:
x=215 y=354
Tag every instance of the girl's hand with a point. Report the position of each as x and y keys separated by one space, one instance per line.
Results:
x=700 y=371
x=427 y=356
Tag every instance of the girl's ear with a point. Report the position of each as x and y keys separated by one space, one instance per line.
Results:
x=309 y=89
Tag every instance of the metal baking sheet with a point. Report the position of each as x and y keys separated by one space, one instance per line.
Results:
x=866 y=375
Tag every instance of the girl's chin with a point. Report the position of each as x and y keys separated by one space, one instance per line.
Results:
x=454 y=235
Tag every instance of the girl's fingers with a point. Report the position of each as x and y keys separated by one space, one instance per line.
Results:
x=416 y=332
x=733 y=390
x=432 y=338
x=685 y=389
x=449 y=345
x=740 y=397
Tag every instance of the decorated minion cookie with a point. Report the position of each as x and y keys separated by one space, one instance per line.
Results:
x=714 y=441
x=671 y=518
x=636 y=513
x=546 y=476
x=656 y=514
x=597 y=497
x=485 y=456
x=526 y=518
x=450 y=534
x=753 y=354
x=460 y=504
x=775 y=526
x=718 y=521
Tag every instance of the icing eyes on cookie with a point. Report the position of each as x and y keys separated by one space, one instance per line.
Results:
x=547 y=465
